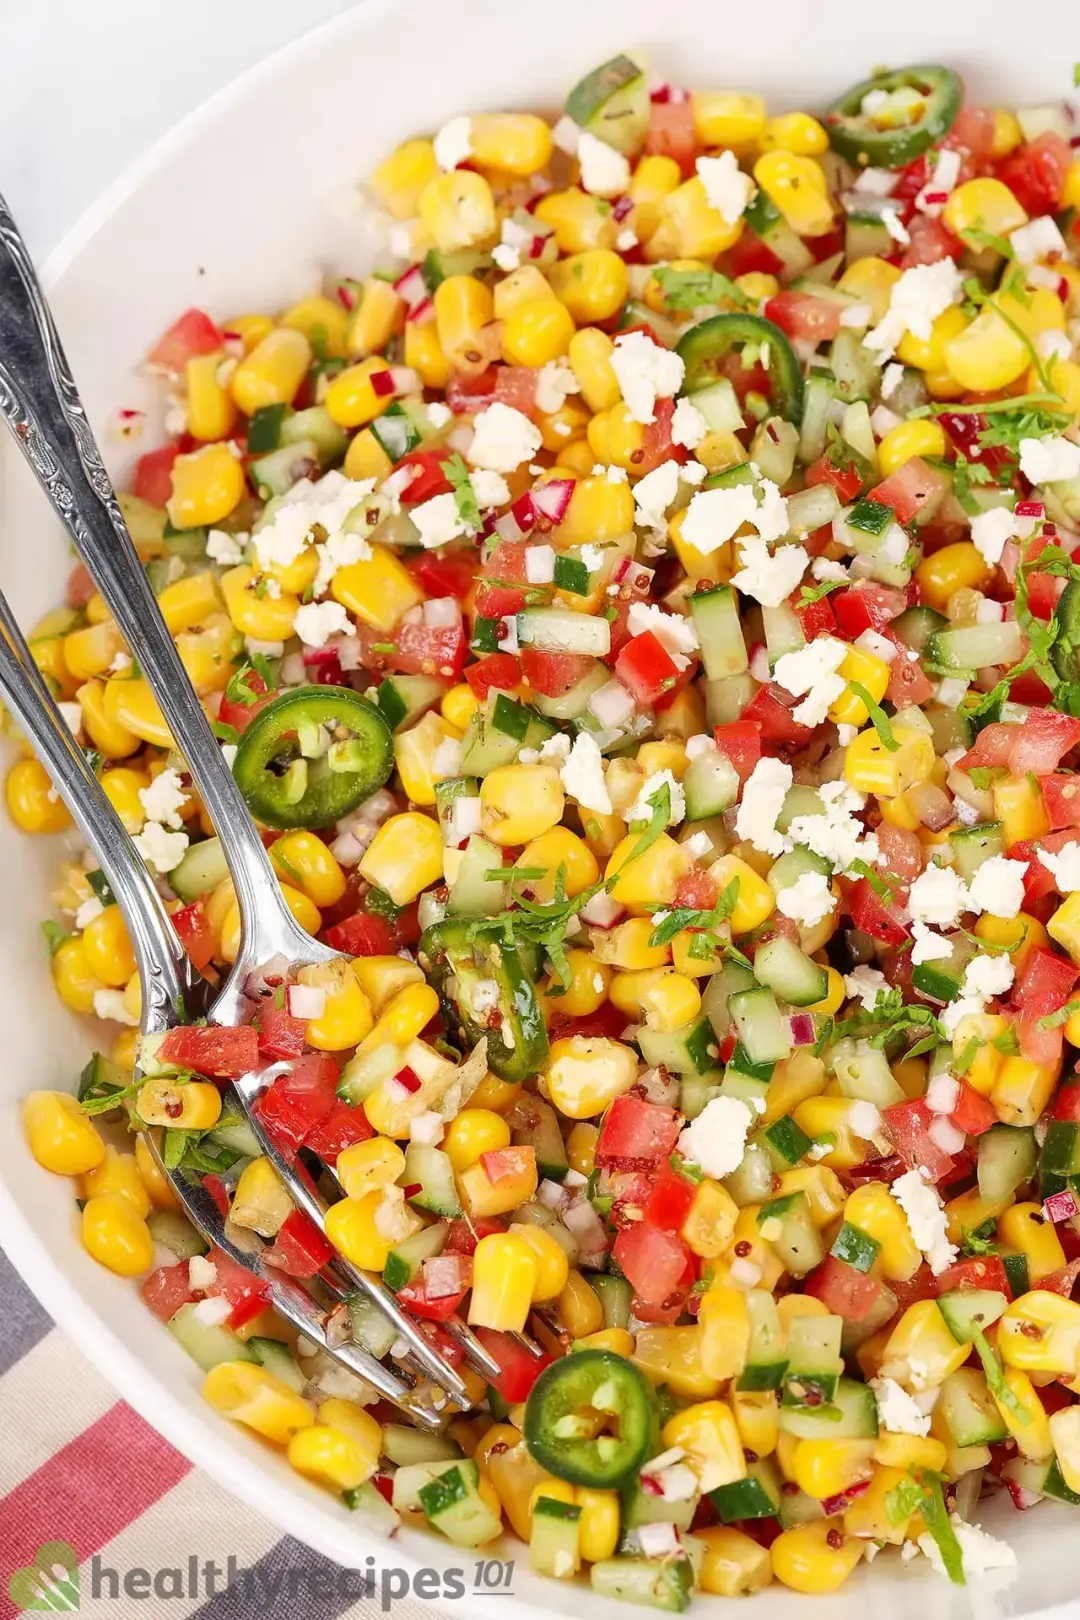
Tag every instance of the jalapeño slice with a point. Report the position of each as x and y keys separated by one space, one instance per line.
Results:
x=311 y=756
x=707 y=345
x=590 y=1419
x=920 y=107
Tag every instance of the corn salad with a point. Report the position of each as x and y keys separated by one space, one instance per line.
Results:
x=642 y=616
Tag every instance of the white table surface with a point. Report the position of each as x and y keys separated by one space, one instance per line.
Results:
x=89 y=85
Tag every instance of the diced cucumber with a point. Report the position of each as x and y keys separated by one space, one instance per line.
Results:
x=233 y=1131
x=536 y=1125
x=773 y=447
x=405 y=1259
x=719 y=405
x=814 y=1360
x=279 y=1360
x=783 y=968
x=403 y=699
x=1007 y=1155
x=370 y=1329
x=855 y=1247
x=316 y=426
x=555 y=1537
x=797 y=1242
x=750 y=1088
x=766 y=1356
x=276 y=473
x=612 y=103
x=207 y=1343
x=787 y=869
x=411 y=1478
x=916 y=625
x=857 y=372
x=663 y=1583
x=820 y=393
x=711 y=785
x=726 y=699
x=406 y=1446
x=174 y=1231
x=689 y=1050
x=941 y=979
x=857 y=431
x=615 y=1295
x=787 y=1143
x=766 y=221
x=797 y=1507
x=575 y=704
x=472 y=892
x=396 y=432
x=486 y=746
x=883 y=1310
x=862 y=1072
x=977 y=646
x=715 y=614
x=560 y=630
x=812 y=508
x=696 y=1090
x=783 y=632
x=642 y=1507
x=430 y=1168
x=971 y=846
x=202 y=867
x=851 y=1415
x=752 y=1182
x=755 y=1497
x=762 y=1029
x=447 y=792
x=369 y=1500
x=1054 y=1486
x=866 y=237
x=968 y=1311
x=969 y=1410
x=731 y=978
x=101 y=1076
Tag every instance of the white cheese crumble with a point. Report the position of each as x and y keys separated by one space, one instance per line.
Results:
x=864 y=1119
x=727 y=188
x=768 y=577
x=90 y=909
x=1049 y=461
x=897 y=1412
x=161 y=849
x=540 y=564
x=223 y=548
x=939 y=896
x=503 y=439
x=164 y=799
x=654 y=493
x=998 y=886
x=943 y=1094
x=688 y=426
x=642 y=810
x=604 y=171
x=316 y=622
x=554 y=382
x=453 y=143
x=864 y=985
x=925 y=1215
x=987 y=976
x=202 y=1273
x=675 y=634
x=1038 y=239
x=1064 y=865
x=990 y=531
x=583 y=775
x=646 y=372
x=111 y=1004
x=980 y=1552
x=928 y=946
x=891 y=378
x=836 y=834
x=762 y=801
x=808 y=900
x=810 y=673
x=325 y=504
x=917 y=299
x=716 y=1139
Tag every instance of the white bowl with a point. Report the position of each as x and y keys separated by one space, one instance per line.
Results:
x=232 y=211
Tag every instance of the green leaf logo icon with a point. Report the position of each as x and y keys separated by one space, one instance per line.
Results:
x=51 y=1582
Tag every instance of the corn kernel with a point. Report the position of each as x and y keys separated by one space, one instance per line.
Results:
x=250 y=1395
x=272 y=373
x=60 y=1136
x=505 y=1276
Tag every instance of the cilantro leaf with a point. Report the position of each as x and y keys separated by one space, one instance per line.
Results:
x=457 y=476
x=940 y=1527
x=902 y=1501
x=812 y=594
x=995 y=1378
x=54 y=935
x=688 y=289
x=660 y=801
x=877 y=715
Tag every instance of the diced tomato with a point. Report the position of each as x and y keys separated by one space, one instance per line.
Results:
x=991 y=747
x=629 y=1192
x=80 y=587
x=965 y=430
x=912 y=488
x=972 y=132
x=1061 y=1282
x=1061 y=796
x=657 y=445
x=439 y=576
x=152 y=479
x=908 y=681
x=235 y=1282
x=816 y=619
x=299 y=1248
x=440 y=1308
x=803 y=315
x=923 y=1285
x=340 y=1128
x=516 y=386
x=363 y=934
x=508 y=1164
x=751 y=255
x=646 y=669
x=979 y=1271
x=607 y=1022
x=498 y=669
x=1035 y=173
x=907 y=1125
x=866 y=607
x=973 y=1114
x=843 y=1289
x=902 y=853
x=931 y=241
x=1038 y=880
x=210 y=1049
x=1044 y=983
x=470 y=392
x=1042 y=742
x=519 y=1369
x=1067 y=1101
x=503 y=588
x=740 y=740
x=418 y=649
x=770 y=710
x=846 y=481
x=881 y=919
x=463 y=1235
x=196 y=934
x=655 y=1262
x=239 y=714
x=1044 y=593
x=194 y=333
x=428 y=478
x=218 y=1192
x=669 y=1201
x=296 y=1102
x=553 y=673
x=636 y=1135
x=679 y=684
x=166 y=1289
x=280 y=1035
x=1039 y=1044
x=671 y=133
x=697 y=891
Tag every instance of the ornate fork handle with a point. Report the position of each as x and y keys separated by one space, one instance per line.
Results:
x=41 y=405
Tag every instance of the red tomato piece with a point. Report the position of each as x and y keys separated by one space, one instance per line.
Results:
x=519 y=1369
x=669 y=1201
x=803 y=315
x=441 y=576
x=1044 y=983
x=992 y=746
x=1035 y=173
x=498 y=669
x=866 y=607
x=657 y=444
x=152 y=479
x=193 y=333
x=1038 y=881
x=1043 y=741
x=770 y=709
x=441 y=1308
x=296 y=1102
x=363 y=934
x=881 y=919
x=931 y=241
x=846 y=481
x=470 y=393
x=973 y=1114
x=166 y=1289
x=428 y=478
x=636 y=1135
x=902 y=851
x=196 y=935
x=235 y=1282
x=655 y=1262
x=750 y=254
x=671 y=133
x=972 y=131
x=980 y=1271
x=423 y=649
x=908 y=681
x=1044 y=593
x=299 y=1247
x=280 y=1035
x=1038 y=1044
x=816 y=619
x=843 y=1289
x=1067 y=1101
x=503 y=588
x=608 y=1022
x=646 y=669
x=910 y=489
x=1061 y=796
x=218 y=1192
x=339 y=1129
x=237 y=712
x=553 y=673
x=516 y=386
x=907 y=1125
x=697 y=891
x=226 y=1053
x=740 y=740
x=463 y=1236
x=507 y=1163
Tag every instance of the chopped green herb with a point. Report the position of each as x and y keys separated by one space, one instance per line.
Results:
x=687 y=290
x=877 y=714
x=457 y=476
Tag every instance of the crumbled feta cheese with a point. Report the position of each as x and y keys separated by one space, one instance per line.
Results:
x=727 y=188
x=654 y=493
x=715 y=515
x=583 y=775
x=811 y=670
x=202 y=1273
x=557 y=747
x=864 y=985
x=438 y=413
x=692 y=472
x=642 y=810
x=891 y=378
x=699 y=846
x=88 y=911
x=943 y=1094
x=326 y=504
x=612 y=705
x=917 y=299
x=212 y=1312
x=1064 y=866
x=223 y=548
x=990 y=531
x=979 y=1551
x=438 y=520
x=836 y=834
x=925 y=1216
x=657 y=1540
x=646 y=372
x=808 y=900
x=938 y=895
x=566 y=134
x=767 y=577
x=111 y=1004
x=928 y=946
x=998 y=887
x=675 y=634
x=1038 y=239
x=164 y=798
x=554 y=382
x=688 y=426
x=988 y=975
x=864 y=1119
x=823 y=568
x=453 y=143
x=1049 y=461
x=503 y=439
x=505 y=257
x=716 y=1139
x=897 y=1412
x=539 y=564
x=762 y=801
x=316 y=622
x=626 y=240
x=490 y=488
x=160 y=849
x=857 y=317
x=604 y=171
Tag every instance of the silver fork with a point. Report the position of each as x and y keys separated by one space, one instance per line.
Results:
x=170 y=990
x=41 y=405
